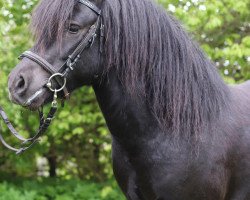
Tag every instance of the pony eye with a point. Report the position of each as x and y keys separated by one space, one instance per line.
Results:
x=74 y=28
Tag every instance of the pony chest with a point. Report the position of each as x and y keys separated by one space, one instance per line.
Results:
x=170 y=174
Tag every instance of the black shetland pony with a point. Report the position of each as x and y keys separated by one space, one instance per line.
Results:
x=179 y=132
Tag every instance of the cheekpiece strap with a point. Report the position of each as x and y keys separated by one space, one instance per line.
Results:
x=91 y=6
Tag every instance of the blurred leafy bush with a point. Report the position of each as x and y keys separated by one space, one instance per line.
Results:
x=223 y=30
x=55 y=189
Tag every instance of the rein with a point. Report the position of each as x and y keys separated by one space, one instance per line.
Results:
x=58 y=76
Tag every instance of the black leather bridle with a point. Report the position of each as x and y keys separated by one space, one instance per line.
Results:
x=57 y=76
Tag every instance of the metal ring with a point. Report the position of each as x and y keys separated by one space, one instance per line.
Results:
x=49 y=84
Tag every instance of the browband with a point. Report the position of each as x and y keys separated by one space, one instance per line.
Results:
x=91 y=6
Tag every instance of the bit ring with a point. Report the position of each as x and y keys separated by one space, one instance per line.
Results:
x=49 y=84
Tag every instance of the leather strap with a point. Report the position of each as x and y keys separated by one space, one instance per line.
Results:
x=9 y=125
x=91 y=6
x=46 y=65
x=86 y=41
x=73 y=58
x=44 y=125
x=39 y=60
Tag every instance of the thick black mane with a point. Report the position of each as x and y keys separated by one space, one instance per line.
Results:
x=49 y=20
x=154 y=57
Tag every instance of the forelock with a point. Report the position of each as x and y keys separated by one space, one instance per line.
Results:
x=49 y=20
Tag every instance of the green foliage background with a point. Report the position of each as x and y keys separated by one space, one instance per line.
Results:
x=78 y=144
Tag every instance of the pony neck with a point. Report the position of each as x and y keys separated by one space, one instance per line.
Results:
x=127 y=118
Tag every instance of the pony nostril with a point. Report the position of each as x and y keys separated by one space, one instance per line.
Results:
x=20 y=85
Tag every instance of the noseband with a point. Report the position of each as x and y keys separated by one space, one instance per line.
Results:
x=57 y=76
